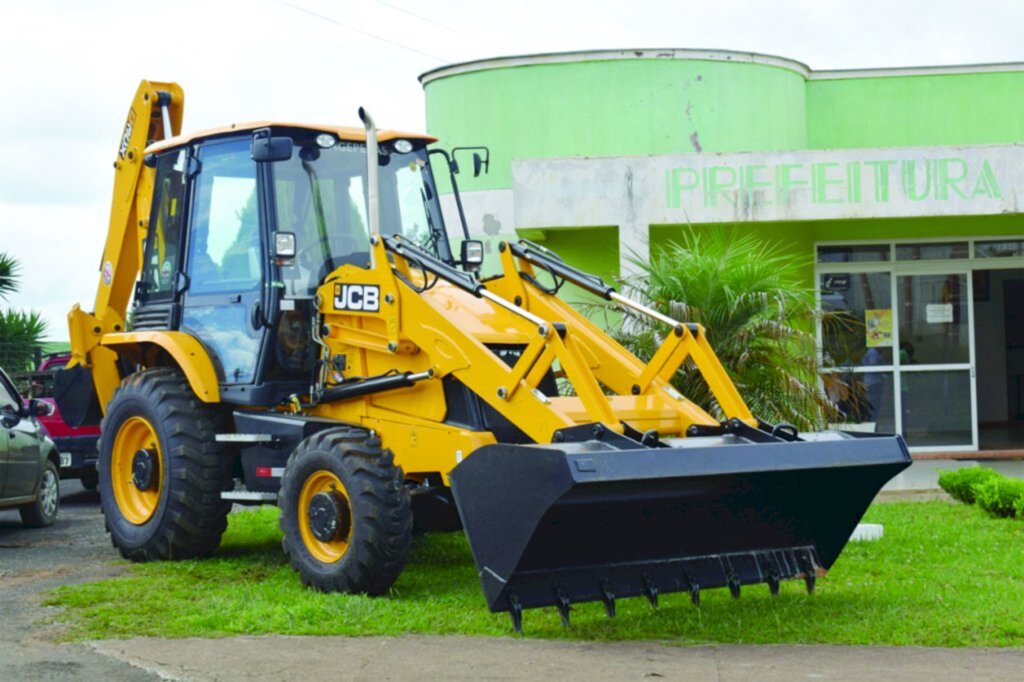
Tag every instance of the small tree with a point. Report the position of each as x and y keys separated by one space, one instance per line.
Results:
x=21 y=332
x=757 y=316
x=8 y=275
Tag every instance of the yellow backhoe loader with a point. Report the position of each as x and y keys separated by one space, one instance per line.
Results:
x=302 y=332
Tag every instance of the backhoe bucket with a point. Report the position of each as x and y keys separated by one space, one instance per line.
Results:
x=590 y=521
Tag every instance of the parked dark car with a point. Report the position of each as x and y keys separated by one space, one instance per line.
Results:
x=76 y=444
x=29 y=473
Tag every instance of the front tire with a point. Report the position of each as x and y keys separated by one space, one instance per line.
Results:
x=160 y=470
x=43 y=512
x=345 y=513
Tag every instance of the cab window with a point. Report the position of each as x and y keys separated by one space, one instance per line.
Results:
x=161 y=259
x=224 y=250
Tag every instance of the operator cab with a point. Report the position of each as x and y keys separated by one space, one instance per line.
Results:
x=227 y=204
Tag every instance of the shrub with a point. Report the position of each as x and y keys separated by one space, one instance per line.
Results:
x=961 y=483
x=21 y=332
x=1000 y=495
x=758 y=315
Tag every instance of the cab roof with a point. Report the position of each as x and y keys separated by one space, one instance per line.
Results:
x=350 y=134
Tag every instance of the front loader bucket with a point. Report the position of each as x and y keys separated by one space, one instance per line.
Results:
x=566 y=523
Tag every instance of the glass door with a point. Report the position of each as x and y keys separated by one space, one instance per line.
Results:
x=857 y=349
x=934 y=359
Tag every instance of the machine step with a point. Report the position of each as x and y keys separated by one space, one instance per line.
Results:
x=244 y=438
x=248 y=496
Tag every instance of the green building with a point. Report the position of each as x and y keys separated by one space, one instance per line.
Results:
x=904 y=188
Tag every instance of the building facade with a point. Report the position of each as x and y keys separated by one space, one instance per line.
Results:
x=904 y=189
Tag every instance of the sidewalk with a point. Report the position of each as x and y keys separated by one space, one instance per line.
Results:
x=421 y=657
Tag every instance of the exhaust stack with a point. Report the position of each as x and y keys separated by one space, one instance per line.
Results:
x=372 y=176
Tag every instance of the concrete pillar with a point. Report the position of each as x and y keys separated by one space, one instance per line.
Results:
x=634 y=244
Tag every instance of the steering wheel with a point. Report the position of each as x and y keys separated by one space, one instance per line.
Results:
x=312 y=253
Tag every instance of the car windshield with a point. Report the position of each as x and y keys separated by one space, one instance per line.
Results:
x=320 y=195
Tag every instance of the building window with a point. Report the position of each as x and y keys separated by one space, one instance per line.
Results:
x=860 y=253
x=932 y=251
x=1009 y=248
x=857 y=328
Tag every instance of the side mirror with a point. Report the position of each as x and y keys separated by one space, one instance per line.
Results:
x=40 y=408
x=9 y=416
x=267 y=148
x=481 y=159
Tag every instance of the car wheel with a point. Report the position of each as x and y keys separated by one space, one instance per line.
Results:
x=43 y=512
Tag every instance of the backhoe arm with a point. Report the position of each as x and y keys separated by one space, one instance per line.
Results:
x=155 y=114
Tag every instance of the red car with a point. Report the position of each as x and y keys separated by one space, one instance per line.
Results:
x=76 y=445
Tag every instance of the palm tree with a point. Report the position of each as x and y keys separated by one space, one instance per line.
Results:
x=9 y=268
x=758 y=317
x=21 y=332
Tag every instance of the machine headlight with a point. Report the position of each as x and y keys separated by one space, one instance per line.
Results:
x=403 y=146
x=472 y=253
x=284 y=244
x=326 y=140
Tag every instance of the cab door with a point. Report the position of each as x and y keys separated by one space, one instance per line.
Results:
x=225 y=261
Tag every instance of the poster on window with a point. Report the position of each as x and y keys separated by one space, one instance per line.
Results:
x=878 y=323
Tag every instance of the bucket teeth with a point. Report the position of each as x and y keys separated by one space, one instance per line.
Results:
x=734 y=586
x=810 y=572
x=515 y=611
x=692 y=587
x=608 y=597
x=651 y=590
x=772 y=576
x=809 y=579
x=562 y=602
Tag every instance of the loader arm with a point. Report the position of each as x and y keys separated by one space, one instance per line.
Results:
x=605 y=378
x=617 y=368
x=155 y=114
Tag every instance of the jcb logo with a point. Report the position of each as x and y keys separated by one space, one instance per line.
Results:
x=126 y=137
x=361 y=297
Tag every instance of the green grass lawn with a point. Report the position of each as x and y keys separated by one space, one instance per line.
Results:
x=944 y=575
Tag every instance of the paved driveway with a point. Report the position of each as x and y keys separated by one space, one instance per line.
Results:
x=35 y=560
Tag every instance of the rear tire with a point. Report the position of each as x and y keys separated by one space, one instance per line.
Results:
x=90 y=479
x=345 y=471
x=180 y=514
x=43 y=512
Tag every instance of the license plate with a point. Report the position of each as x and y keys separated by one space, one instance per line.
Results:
x=65 y=460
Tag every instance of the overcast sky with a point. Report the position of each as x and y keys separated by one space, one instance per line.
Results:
x=70 y=69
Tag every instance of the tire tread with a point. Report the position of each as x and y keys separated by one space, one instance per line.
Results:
x=378 y=548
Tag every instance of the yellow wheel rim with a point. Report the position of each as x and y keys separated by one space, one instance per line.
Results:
x=135 y=434
x=332 y=550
